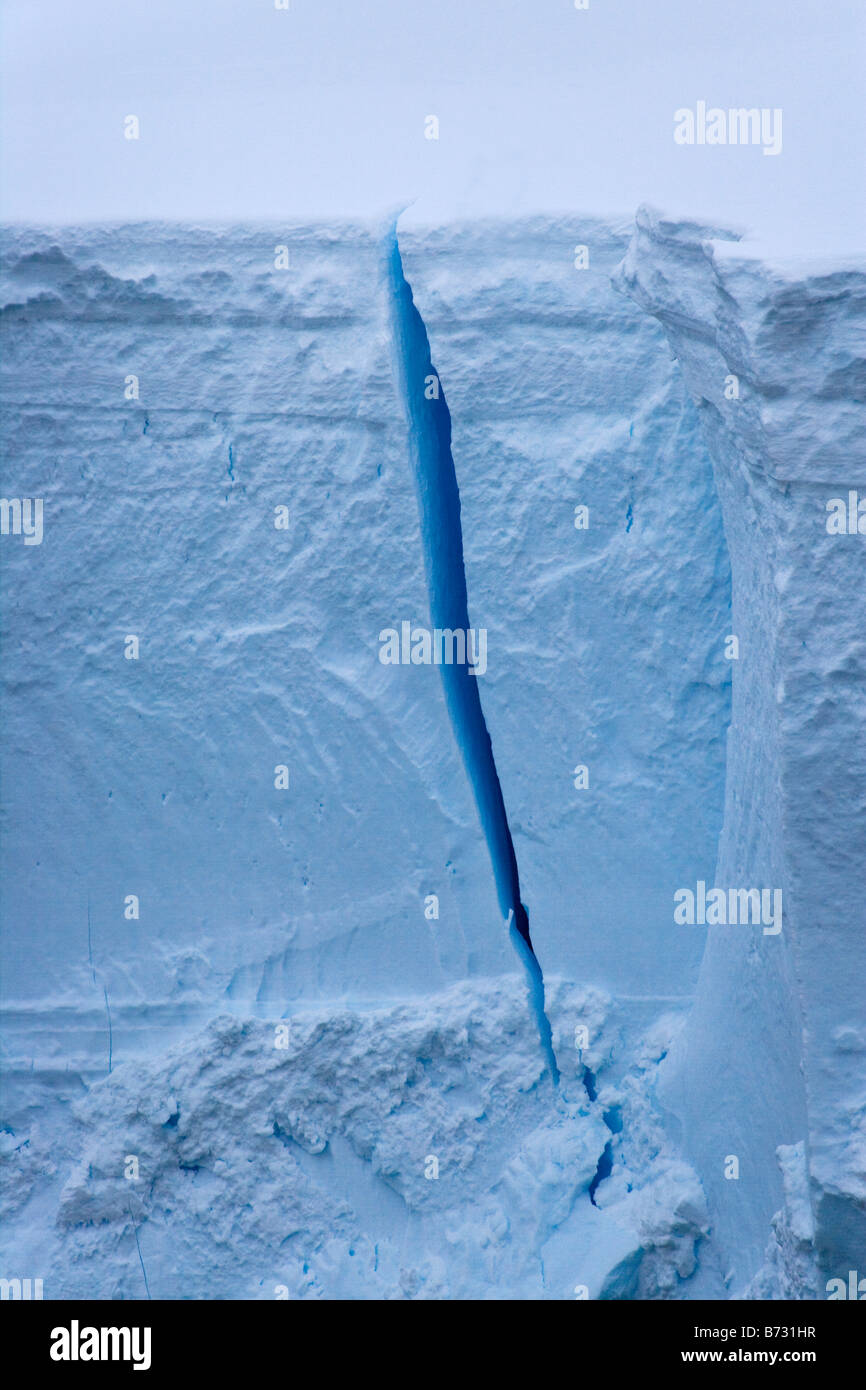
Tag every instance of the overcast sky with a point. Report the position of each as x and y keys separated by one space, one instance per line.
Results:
x=247 y=111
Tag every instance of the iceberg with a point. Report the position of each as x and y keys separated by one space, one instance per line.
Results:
x=264 y=1033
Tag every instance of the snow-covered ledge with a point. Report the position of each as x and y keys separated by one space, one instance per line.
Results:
x=772 y=352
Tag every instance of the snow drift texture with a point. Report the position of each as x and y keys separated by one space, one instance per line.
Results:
x=301 y=1163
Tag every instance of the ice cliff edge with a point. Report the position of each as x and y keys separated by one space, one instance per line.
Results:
x=772 y=352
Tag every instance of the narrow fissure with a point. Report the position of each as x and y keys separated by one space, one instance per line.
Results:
x=438 y=495
x=604 y=1170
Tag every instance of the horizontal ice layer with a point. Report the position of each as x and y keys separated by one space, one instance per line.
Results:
x=773 y=1055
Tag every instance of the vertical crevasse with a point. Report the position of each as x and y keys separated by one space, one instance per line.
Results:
x=429 y=422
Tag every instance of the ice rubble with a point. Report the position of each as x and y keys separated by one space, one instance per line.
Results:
x=303 y=1170
x=307 y=1169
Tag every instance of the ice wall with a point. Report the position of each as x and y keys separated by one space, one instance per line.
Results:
x=167 y=392
x=773 y=1053
x=264 y=379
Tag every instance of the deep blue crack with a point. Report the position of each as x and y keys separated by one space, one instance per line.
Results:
x=604 y=1170
x=438 y=495
x=613 y=1119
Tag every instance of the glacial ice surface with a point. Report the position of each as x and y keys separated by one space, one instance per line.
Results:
x=307 y=1169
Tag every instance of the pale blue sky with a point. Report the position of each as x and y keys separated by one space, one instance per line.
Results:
x=250 y=112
